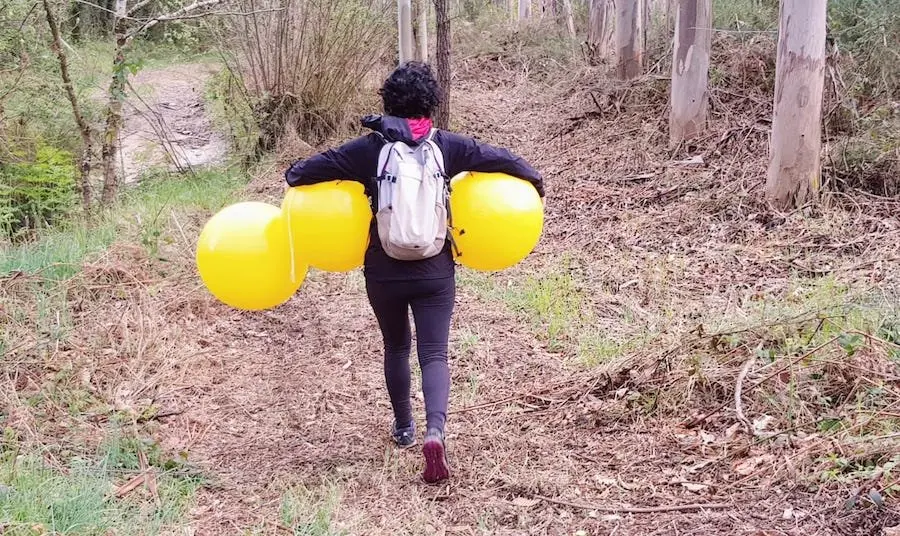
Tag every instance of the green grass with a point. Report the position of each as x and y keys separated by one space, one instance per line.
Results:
x=145 y=210
x=551 y=300
x=78 y=499
x=467 y=341
x=310 y=512
x=808 y=313
x=307 y=510
x=746 y=15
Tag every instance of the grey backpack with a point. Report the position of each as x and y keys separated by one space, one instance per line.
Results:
x=412 y=200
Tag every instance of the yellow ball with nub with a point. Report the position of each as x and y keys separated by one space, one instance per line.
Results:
x=328 y=224
x=243 y=257
x=497 y=219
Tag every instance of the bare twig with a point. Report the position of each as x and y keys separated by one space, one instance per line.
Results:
x=738 y=387
x=694 y=422
x=222 y=14
x=135 y=8
x=173 y=16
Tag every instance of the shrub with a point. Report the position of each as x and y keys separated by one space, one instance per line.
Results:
x=36 y=193
x=303 y=63
x=869 y=31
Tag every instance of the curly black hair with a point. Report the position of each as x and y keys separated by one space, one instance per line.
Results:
x=410 y=91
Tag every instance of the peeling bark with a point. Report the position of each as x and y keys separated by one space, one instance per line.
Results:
x=601 y=28
x=690 y=70
x=795 y=167
x=629 y=38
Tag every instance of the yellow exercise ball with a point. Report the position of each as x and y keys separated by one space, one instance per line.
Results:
x=497 y=219
x=244 y=259
x=329 y=224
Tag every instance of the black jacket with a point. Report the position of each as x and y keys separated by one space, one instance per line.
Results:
x=358 y=159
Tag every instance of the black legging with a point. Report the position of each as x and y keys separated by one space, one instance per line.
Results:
x=432 y=303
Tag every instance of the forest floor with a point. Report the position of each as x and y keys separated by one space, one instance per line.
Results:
x=592 y=384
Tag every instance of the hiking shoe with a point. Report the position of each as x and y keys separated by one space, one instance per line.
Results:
x=404 y=437
x=436 y=467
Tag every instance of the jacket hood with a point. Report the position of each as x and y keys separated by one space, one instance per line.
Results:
x=392 y=128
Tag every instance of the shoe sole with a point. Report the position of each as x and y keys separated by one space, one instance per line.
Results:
x=436 y=468
x=404 y=447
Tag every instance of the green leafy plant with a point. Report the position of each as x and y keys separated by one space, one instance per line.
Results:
x=36 y=193
x=850 y=342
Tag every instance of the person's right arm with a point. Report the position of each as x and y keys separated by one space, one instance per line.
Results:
x=464 y=153
x=351 y=161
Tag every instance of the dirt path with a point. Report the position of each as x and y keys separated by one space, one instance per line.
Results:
x=286 y=410
x=166 y=123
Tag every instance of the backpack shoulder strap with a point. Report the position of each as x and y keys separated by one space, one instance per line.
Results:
x=383 y=156
x=436 y=150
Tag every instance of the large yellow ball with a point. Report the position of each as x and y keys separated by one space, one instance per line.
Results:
x=497 y=219
x=243 y=256
x=329 y=224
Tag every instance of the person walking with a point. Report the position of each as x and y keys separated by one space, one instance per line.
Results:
x=401 y=277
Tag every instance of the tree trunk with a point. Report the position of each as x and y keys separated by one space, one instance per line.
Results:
x=647 y=20
x=690 y=70
x=549 y=7
x=569 y=16
x=442 y=59
x=404 y=28
x=109 y=149
x=84 y=164
x=629 y=38
x=524 y=9
x=795 y=168
x=601 y=28
x=671 y=7
x=421 y=30
x=76 y=15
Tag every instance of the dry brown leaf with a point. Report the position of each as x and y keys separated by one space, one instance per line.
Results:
x=750 y=465
x=524 y=502
x=153 y=486
x=129 y=486
x=142 y=460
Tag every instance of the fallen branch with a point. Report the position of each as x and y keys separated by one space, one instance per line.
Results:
x=874 y=338
x=791 y=363
x=486 y=404
x=516 y=397
x=131 y=485
x=738 y=387
x=221 y=14
x=638 y=509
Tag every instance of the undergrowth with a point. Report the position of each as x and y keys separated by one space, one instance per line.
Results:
x=61 y=473
x=821 y=359
x=144 y=211
x=302 y=65
x=35 y=195
x=83 y=496
x=535 y=49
